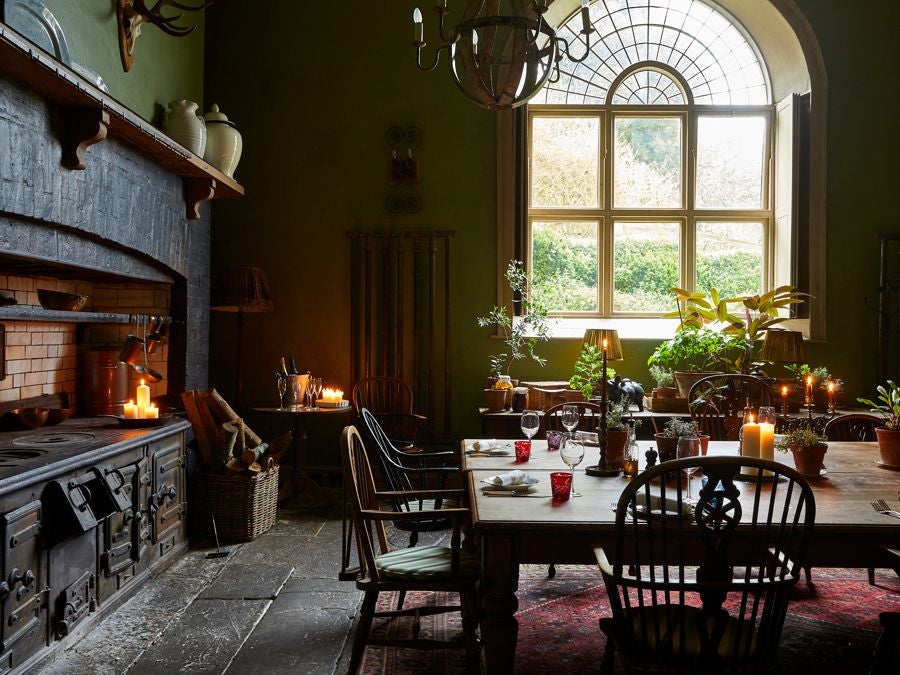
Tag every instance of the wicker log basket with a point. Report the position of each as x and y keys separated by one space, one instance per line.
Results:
x=243 y=504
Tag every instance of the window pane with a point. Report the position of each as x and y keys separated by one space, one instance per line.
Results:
x=729 y=257
x=645 y=266
x=730 y=153
x=564 y=161
x=564 y=256
x=647 y=165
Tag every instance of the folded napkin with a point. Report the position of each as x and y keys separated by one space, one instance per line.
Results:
x=656 y=504
x=485 y=445
x=514 y=477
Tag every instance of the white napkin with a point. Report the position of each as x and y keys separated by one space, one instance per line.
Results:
x=485 y=445
x=514 y=477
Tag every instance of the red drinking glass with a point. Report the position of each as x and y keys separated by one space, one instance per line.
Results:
x=561 y=485
x=523 y=451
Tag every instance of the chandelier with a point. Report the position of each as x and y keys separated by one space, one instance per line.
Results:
x=500 y=60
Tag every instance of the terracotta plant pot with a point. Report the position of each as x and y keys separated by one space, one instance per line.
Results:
x=495 y=399
x=667 y=446
x=889 y=445
x=808 y=458
x=685 y=378
x=615 y=448
x=665 y=392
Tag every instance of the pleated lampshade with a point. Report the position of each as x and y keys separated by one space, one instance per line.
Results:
x=595 y=336
x=783 y=346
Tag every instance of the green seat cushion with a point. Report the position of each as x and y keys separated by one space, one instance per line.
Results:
x=691 y=634
x=426 y=563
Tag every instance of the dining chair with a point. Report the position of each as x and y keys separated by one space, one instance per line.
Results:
x=588 y=417
x=403 y=471
x=390 y=399
x=447 y=569
x=853 y=427
x=687 y=593
x=717 y=403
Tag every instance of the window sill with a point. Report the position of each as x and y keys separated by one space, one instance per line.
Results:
x=638 y=328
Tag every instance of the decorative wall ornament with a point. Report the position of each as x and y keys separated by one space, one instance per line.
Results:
x=403 y=170
x=131 y=15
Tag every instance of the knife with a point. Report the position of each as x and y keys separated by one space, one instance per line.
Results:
x=510 y=493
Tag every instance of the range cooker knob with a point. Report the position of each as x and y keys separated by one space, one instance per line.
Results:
x=170 y=492
x=4 y=590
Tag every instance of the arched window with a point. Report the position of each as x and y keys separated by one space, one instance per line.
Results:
x=666 y=158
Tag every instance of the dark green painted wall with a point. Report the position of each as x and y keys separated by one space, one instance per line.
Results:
x=314 y=86
x=165 y=67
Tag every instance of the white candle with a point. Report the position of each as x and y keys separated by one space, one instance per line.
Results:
x=332 y=395
x=418 y=26
x=143 y=395
x=766 y=441
x=750 y=440
x=130 y=410
x=151 y=412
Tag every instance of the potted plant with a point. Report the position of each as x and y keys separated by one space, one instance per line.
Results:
x=691 y=354
x=665 y=381
x=588 y=369
x=521 y=333
x=617 y=433
x=807 y=447
x=888 y=407
x=675 y=428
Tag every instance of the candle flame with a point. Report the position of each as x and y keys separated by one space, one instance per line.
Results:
x=604 y=343
x=784 y=390
x=830 y=387
x=809 y=380
x=751 y=418
x=142 y=381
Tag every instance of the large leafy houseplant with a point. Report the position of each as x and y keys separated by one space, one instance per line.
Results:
x=588 y=370
x=887 y=406
x=694 y=349
x=755 y=315
x=522 y=333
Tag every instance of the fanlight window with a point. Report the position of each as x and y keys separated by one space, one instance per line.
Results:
x=648 y=163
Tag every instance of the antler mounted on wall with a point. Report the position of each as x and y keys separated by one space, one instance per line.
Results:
x=132 y=14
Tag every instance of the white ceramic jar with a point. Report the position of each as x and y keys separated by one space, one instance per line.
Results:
x=223 y=142
x=184 y=126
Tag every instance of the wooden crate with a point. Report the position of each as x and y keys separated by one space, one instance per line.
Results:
x=666 y=405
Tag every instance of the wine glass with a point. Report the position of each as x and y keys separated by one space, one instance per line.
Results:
x=317 y=391
x=312 y=391
x=688 y=446
x=281 y=383
x=530 y=423
x=572 y=452
x=570 y=417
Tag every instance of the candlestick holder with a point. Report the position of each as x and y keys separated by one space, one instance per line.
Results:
x=784 y=406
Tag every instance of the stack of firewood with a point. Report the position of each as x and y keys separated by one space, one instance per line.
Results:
x=224 y=440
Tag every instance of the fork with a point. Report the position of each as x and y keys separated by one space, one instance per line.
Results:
x=882 y=507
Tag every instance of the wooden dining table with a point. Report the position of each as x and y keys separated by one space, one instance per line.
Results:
x=513 y=530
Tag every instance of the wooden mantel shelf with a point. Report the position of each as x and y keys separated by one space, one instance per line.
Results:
x=90 y=115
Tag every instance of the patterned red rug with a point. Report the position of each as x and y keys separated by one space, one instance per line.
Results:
x=829 y=631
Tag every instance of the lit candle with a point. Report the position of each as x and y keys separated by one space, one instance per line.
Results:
x=784 y=392
x=130 y=410
x=332 y=395
x=809 y=389
x=766 y=440
x=784 y=400
x=152 y=412
x=143 y=395
x=604 y=345
x=831 y=397
x=750 y=438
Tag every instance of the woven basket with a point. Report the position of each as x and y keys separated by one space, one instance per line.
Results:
x=243 y=505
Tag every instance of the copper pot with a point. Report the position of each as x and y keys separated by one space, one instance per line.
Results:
x=104 y=382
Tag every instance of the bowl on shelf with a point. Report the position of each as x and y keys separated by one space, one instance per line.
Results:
x=30 y=418
x=66 y=302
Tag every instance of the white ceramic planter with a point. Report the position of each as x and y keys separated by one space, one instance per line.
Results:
x=223 y=142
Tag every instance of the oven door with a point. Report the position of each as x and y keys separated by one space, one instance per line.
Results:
x=167 y=507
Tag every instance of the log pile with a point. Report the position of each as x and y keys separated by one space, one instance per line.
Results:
x=224 y=440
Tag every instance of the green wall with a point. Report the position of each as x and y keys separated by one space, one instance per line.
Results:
x=314 y=86
x=165 y=67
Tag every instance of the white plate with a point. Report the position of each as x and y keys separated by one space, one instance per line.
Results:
x=526 y=483
x=497 y=451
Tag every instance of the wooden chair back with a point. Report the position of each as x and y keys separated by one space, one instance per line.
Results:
x=682 y=587
x=718 y=402
x=382 y=394
x=855 y=427
x=588 y=417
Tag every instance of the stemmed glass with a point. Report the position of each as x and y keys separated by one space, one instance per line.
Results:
x=570 y=417
x=281 y=383
x=530 y=423
x=572 y=452
x=688 y=446
x=313 y=389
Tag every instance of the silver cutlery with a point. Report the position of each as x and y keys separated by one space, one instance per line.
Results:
x=882 y=507
x=510 y=493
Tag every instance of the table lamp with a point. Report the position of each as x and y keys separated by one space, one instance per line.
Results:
x=607 y=341
x=784 y=346
x=241 y=290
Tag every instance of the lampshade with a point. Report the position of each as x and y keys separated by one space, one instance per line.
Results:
x=595 y=336
x=783 y=346
x=242 y=289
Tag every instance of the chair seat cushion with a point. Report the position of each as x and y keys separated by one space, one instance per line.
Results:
x=426 y=563
x=689 y=631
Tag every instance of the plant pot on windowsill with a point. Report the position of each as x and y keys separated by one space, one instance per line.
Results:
x=665 y=392
x=889 y=445
x=495 y=399
x=808 y=459
x=684 y=379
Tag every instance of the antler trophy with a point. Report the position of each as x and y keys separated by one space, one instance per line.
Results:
x=132 y=14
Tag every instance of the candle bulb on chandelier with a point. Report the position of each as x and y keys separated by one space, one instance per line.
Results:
x=474 y=43
x=585 y=17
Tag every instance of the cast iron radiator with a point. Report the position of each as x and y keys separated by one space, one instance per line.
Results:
x=400 y=316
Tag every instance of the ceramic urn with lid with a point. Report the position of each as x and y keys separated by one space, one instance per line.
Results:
x=223 y=142
x=184 y=126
